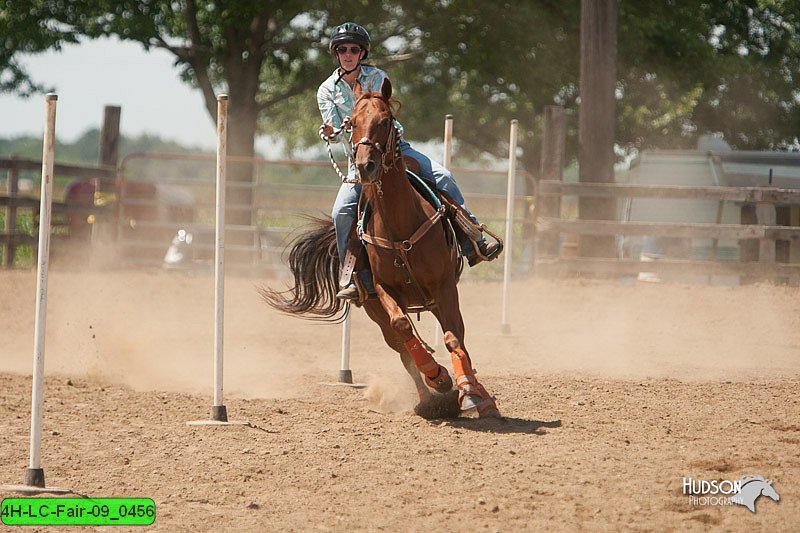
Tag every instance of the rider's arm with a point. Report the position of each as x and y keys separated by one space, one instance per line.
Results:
x=327 y=108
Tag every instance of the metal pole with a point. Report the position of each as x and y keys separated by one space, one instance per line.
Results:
x=510 y=194
x=218 y=411
x=446 y=160
x=345 y=374
x=34 y=475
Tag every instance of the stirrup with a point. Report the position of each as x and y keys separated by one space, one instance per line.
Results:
x=485 y=251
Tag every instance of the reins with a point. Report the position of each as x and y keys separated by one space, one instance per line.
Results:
x=327 y=138
x=392 y=139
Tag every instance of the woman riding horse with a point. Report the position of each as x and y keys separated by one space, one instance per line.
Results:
x=412 y=265
x=350 y=44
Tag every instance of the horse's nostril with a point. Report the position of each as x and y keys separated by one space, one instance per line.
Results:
x=370 y=166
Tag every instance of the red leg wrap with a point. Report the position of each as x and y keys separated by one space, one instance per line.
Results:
x=422 y=358
x=462 y=365
x=467 y=383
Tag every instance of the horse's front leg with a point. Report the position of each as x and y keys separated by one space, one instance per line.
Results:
x=378 y=315
x=436 y=375
x=471 y=394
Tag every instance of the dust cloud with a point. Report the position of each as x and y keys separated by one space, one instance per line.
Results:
x=154 y=331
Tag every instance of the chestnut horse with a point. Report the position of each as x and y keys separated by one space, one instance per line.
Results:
x=411 y=262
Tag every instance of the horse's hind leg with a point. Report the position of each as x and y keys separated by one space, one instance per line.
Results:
x=378 y=315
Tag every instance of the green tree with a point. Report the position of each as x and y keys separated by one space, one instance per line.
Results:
x=689 y=67
x=261 y=53
x=686 y=67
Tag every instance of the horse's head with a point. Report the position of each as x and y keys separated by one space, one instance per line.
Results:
x=751 y=488
x=374 y=133
x=769 y=491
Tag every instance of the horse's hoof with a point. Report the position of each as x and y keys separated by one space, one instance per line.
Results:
x=470 y=401
x=442 y=386
x=442 y=383
x=486 y=407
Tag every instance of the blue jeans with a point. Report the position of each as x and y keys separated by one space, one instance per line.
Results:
x=346 y=205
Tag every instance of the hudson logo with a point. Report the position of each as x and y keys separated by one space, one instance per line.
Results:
x=744 y=491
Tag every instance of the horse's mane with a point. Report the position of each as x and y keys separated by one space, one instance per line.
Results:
x=393 y=103
x=750 y=479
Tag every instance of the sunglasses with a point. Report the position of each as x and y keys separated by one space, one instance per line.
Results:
x=345 y=49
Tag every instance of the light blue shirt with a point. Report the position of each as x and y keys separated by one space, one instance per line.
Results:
x=337 y=100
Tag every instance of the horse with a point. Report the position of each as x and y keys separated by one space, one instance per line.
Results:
x=411 y=261
x=752 y=488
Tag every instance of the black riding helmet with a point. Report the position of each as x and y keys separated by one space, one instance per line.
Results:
x=350 y=32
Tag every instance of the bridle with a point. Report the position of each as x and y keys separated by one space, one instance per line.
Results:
x=389 y=153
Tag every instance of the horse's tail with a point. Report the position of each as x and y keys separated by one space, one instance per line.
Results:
x=314 y=263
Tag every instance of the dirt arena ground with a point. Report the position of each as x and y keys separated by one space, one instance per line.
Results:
x=612 y=395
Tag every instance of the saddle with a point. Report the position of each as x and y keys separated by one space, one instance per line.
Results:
x=459 y=220
x=457 y=226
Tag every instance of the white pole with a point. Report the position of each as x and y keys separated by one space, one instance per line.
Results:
x=510 y=197
x=446 y=160
x=218 y=411
x=345 y=374
x=448 y=140
x=35 y=474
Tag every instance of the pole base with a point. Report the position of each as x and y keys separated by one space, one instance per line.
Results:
x=34 y=477
x=506 y=329
x=34 y=484
x=345 y=376
x=219 y=413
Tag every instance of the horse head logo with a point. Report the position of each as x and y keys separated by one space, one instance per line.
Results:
x=752 y=488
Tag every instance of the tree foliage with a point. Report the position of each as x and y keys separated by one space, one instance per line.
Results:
x=694 y=67
x=686 y=67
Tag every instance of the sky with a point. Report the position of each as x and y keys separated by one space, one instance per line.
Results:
x=96 y=73
x=103 y=72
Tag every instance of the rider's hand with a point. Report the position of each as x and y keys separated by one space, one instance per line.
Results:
x=326 y=133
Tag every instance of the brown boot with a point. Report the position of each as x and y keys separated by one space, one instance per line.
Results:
x=348 y=293
x=489 y=250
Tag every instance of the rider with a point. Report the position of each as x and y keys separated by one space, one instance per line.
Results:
x=350 y=44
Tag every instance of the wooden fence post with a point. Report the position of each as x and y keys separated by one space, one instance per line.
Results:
x=12 y=188
x=598 y=71
x=103 y=231
x=767 y=216
x=551 y=168
x=109 y=141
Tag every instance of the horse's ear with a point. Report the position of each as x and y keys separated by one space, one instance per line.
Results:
x=357 y=90
x=386 y=89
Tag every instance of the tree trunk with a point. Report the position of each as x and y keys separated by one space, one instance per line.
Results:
x=551 y=167
x=597 y=116
x=242 y=76
x=242 y=123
